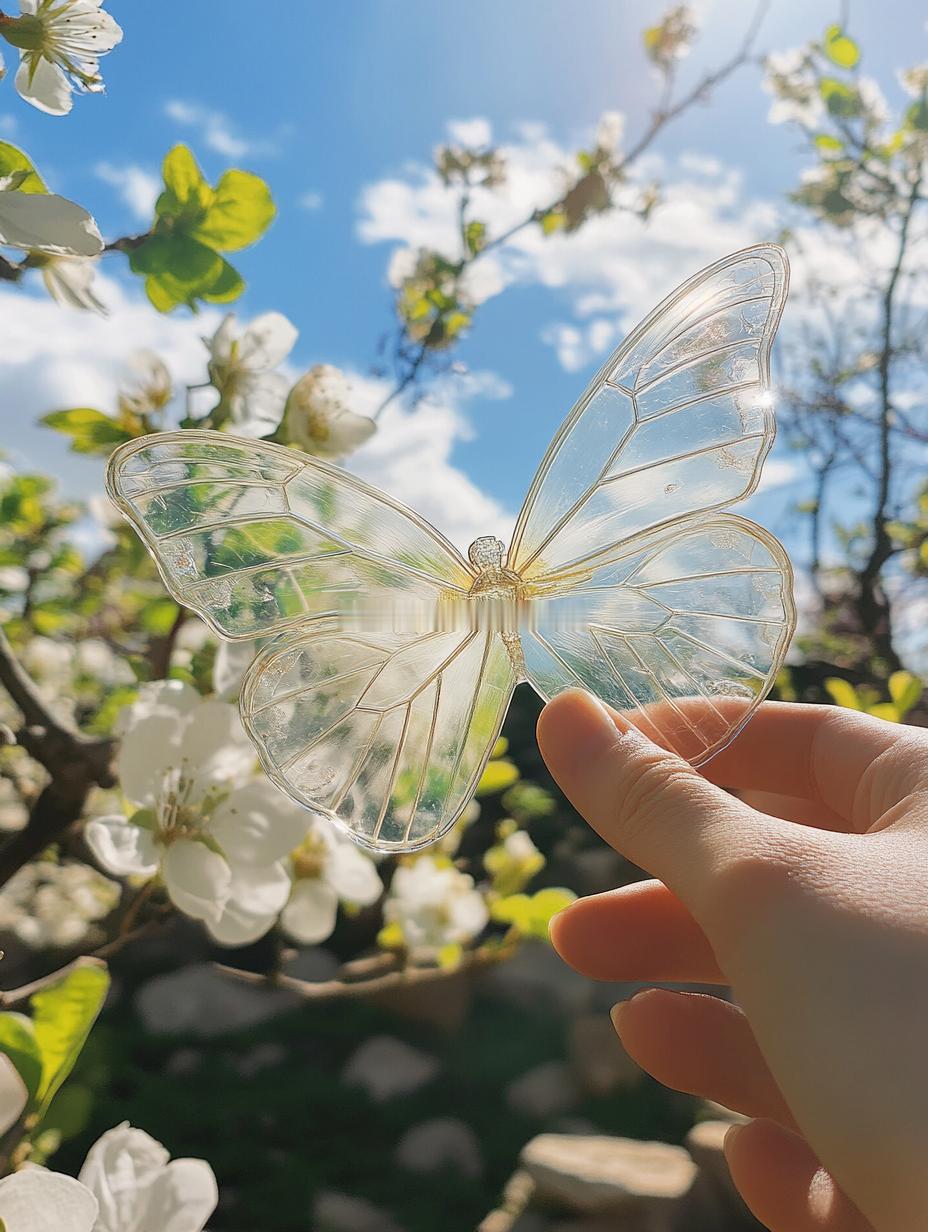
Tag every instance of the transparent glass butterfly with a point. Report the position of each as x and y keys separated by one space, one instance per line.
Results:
x=623 y=577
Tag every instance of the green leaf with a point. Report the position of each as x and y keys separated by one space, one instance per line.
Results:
x=62 y=1016
x=157 y=616
x=13 y=161
x=240 y=212
x=178 y=269
x=69 y=1112
x=828 y=144
x=18 y=1042
x=530 y=915
x=552 y=221
x=475 y=236
x=497 y=777
x=186 y=192
x=916 y=116
x=885 y=710
x=905 y=690
x=840 y=48
x=229 y=285
x=843 y=693
x=90 y=431
x=841 y=100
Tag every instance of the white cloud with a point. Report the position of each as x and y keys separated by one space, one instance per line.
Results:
x=611 y=272
x=312 y=201
x=475 y=132
x=410 y=457
x=137 y=187
x=53 y=358
x=8 y=126
x=215 y=129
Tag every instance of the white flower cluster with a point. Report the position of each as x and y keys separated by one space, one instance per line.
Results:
x=219 y=834
x=434 y=905
x=314 y=415
x=52 y=906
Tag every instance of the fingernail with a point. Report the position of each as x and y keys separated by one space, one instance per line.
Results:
x=618 y=1015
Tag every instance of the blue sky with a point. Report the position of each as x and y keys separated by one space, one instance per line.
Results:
x=331 y=102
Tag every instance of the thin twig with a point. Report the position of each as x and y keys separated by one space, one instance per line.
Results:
x=332 y=990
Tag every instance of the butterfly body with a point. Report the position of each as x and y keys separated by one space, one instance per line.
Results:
x=394 y=657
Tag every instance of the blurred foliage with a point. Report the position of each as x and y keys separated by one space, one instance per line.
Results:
x=181 y=257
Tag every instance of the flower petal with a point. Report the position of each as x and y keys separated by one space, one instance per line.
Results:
x=197 y=879
x=48 y=223
x=44 y=84
x=13 y=1094
x=121 y=847
x=267 y=341
x=353 y=875
x=36 y=1200
x=310 y=915
x=148 y=751
x=174 y=695
x=182 y=1198
x=255 y=899
x=258 y=406
x=216 y=750
x=119 y=1169
x=257 y=824
x=69 y=281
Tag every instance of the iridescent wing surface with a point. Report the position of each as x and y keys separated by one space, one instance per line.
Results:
x=673 y=613
x=385 y=734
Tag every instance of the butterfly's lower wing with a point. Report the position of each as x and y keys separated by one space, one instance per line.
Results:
x=385 y=734
x=255 y=538
x=682 y=632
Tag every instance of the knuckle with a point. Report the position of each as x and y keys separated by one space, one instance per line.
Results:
x=650 y=784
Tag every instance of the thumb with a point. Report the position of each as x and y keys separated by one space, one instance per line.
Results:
x=647 y=803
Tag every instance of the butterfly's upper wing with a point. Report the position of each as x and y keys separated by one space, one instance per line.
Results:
x=255 y=538
x=671 y=612
x=385 y=734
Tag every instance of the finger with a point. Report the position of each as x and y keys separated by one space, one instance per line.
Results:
x=702 y=1046
x=647 y=803
x=783 y=1184
x=794 y=808
x=639 y=932
x=817 y=753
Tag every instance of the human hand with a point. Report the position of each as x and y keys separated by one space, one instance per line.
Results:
x=809 y=896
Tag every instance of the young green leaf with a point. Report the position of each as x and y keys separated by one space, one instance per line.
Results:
x=18 y=1042
x=14 y=161
x=240 y=211
x=840 y=48
x=62 y=1016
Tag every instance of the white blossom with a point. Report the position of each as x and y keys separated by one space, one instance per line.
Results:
x=326 y=869
x=318 y=418
x=241 y=368
x=216 y=835
x=139 y=1188
x=46 y=660
x=46 y=223
x=434 y=904
x=60 y=43
x=791 y=81
x=609 y=131
x=36 y=1200
x=52 y=906
x=69 y=281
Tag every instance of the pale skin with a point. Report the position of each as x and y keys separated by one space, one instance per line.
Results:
x=808 y=896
